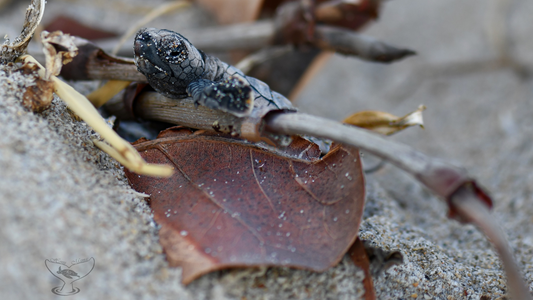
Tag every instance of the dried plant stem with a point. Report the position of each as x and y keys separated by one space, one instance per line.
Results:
x=247 y=36
x=403 y=156
x=312 y=70
x=100 y=96
x=261 y=56
x=464 y=199
x=347 y=42
x=442 y=178
x=92 y=63
x=154 y=106
x=119 y=149
x=258 y=35
x=470 y=207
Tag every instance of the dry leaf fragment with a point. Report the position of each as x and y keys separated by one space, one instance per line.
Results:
x=360 y=258
x=385 y=123
x=34 y=14
x=59 y=49
x=234 y=204
x=233 y=11
x=373 y=261
x=38 y=96
x=350 y=14
x=74 y=27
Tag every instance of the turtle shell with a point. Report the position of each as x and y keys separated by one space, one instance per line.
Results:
x=265 y=101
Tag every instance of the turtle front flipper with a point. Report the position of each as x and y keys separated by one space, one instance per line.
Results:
x=233 y=95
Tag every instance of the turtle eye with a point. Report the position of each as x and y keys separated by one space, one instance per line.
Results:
x=173 y=51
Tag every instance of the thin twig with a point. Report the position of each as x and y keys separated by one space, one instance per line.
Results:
x=156 y=12
x=254 y=59
x=424 y=168
x=92 y=63
x=256 y=35
x=442 y=178
x=120 y=150
x=312 y=70
x=465 y=199
x=246 y=36
x=154 y=106
x=350 y=43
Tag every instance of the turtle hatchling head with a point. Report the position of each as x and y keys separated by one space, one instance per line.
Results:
x=168 y=60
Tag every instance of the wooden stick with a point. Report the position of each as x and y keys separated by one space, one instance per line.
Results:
x=94 y=63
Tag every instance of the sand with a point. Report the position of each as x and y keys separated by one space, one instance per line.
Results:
x=61 y=197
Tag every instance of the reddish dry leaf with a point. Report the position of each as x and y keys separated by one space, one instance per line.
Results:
x=233 y=11
x=75 y=28
x=232 y=204
x=348 y=14
x=296 y=19
x=360 y=258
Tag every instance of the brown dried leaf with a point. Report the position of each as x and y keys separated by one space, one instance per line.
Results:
x=233 y=11
x=38 y=96
x=233 y=204
x=75 y=28
x=296 y=19
x=59 y=49
x=351 y=14
x=385 y=123
x=360 y=258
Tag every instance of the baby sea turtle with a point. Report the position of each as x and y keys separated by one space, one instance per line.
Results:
x=67 y=273
x=176 y=69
